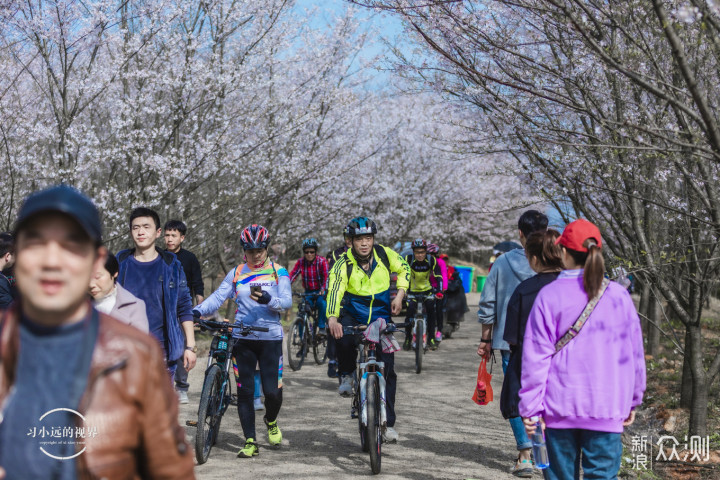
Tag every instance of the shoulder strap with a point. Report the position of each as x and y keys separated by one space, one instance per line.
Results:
x=382 y=254
x=580 y=322
x=348 y=265
x=238 y=269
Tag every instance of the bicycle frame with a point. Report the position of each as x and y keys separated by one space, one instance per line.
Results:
x=372 y=367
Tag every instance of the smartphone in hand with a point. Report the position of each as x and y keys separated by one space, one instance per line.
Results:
x=255 y=289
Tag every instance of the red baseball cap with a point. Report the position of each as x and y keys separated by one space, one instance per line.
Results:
x=577 y=232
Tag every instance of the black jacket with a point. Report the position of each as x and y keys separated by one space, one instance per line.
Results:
x=7 y=291
x=193 y=274
x=518 y=311
x=455 y=300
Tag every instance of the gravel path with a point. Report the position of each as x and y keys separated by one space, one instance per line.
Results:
x=443 y=434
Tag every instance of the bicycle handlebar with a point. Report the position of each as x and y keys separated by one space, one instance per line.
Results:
x=306 y=295
x=215 y=325
x=391 y=328
x=420 y=296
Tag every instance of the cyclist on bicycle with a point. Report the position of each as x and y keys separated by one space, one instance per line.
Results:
x=422 y=267
x=314 y=270
x=261 y=290
x=359 y=293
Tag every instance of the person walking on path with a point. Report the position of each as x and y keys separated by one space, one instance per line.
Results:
x=175 y=232
x=508 y=271
x=156 y=277
x=544 y=257
x=68 y=368
x=583 y=362
x=112 y=299
x=261 y=290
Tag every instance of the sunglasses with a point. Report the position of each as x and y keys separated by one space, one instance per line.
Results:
x=309 y=251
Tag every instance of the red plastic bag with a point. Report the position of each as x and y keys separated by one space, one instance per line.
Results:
x=483 y=389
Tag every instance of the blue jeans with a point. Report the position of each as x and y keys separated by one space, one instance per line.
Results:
x=321 y=304
x=601 y=452
x=516 y=423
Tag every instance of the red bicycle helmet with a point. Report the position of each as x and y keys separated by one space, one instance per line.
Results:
x=433 y=249
x=254 y=236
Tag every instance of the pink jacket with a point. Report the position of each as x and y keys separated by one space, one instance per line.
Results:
x=443 y=272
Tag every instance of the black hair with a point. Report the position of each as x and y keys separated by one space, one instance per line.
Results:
x=532 y=221
x=144 y=212
x=176 y=225
x=7 y=243
x=111 y=264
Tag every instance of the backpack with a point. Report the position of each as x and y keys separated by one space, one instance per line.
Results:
x=381 y=253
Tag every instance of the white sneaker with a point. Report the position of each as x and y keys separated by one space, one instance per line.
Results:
x=346 y=386
x=183 y=397
x=258 y=404
x=390 y=435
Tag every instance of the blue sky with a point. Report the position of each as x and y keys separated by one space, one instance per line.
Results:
x=385 y=27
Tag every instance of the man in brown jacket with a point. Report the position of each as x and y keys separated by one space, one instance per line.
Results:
x=81 y=394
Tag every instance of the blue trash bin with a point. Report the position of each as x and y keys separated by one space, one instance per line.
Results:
x=466 y=275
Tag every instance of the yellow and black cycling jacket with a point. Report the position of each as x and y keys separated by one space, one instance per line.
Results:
x=420 y=273
x=365 y=297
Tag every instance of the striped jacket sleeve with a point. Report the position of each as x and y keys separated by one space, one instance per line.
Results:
x=337 y=284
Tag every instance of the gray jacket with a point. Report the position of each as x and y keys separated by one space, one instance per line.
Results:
x=130 y=310
x=508 y=271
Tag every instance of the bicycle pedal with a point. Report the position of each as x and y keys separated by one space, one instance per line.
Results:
x=191 y=423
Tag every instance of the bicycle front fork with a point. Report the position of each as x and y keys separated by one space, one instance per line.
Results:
x=363 y=399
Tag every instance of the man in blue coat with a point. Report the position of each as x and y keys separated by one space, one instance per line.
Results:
x=157 y=277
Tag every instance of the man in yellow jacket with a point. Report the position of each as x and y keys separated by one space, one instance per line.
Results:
x=359 y=293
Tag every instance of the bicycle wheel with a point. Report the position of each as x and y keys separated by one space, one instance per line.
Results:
x=296 y=344
x=419 y=345
x=374 y=434
x=319 y=348
x=209 y=413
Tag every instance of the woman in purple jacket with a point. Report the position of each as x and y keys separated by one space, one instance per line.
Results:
x=587 y=389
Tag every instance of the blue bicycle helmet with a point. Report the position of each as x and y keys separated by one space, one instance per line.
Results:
x=310 y=243
x=361 y=226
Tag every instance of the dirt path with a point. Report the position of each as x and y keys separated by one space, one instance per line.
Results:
x=443 y=434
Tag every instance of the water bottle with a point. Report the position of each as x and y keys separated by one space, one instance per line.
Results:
x=481 y=392
x=538 y=446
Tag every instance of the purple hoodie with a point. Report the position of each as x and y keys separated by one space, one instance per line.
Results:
x=599 y=376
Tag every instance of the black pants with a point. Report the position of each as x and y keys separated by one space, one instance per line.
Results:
x=430 y=313
x=268 y=354
x=347 y=361
x=331 y=348
x=181 y=376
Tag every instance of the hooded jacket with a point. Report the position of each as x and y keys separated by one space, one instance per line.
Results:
x=508 y=271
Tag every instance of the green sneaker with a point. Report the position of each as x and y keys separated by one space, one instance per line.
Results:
x=274 y=433
x=250 y=449
x=433 y=344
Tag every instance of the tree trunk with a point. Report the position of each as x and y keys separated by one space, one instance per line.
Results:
x=643 y=307
x=653 y=333
x=686 y=383
x=699 y=404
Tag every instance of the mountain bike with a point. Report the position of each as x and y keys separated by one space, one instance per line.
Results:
x=368 y=400
x=216 y=396
x=419 y=328
x=304 y=334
